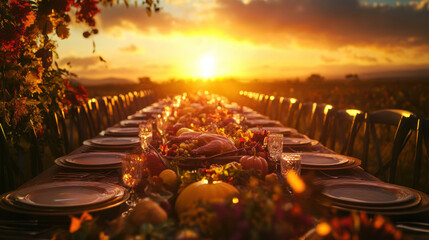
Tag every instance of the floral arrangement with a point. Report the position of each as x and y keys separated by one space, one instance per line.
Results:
x=264 y=209
x=32 y=85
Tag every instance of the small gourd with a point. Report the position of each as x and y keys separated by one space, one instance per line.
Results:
x=259 y=164
x=147 y=211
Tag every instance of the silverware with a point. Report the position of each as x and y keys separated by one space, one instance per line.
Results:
x=338 y=177
x=421 y=227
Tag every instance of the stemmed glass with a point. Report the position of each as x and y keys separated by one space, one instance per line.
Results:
x=237 y=118
x=144 y=134
x=161 y=124
x=132 y=171
x=275 y=146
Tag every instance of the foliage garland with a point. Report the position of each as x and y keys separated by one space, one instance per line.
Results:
x=32 y=85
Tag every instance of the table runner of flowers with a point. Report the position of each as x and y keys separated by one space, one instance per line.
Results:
x=264 y=206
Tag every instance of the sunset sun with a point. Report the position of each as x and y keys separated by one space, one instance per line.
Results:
x=207 y=66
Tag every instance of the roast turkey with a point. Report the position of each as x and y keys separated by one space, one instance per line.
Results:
x=208 y=144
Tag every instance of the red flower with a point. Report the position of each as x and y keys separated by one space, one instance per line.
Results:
x=87 y=12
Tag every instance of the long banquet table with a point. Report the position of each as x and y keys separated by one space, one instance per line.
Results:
x=57 y=174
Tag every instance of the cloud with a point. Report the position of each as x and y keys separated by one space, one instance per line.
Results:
x=131 y=48
x=81 y=62
x=364 y=58
x=121 y=17
x=328 y=59
x=328 y=23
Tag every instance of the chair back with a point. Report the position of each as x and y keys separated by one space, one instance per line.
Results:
x=404 y=122
x=272 y=107
x=305 y=117
x=320 y=120
x=8 y=167
x=422 y=140
x=342 y=130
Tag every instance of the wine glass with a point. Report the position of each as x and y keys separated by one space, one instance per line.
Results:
x=237 y=118
x=144 y=134
x=132 y=171
x=161 y=124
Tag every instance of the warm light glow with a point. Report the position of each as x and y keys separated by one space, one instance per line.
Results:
x=295 y=182
x=205 y=181
x=353 y=112
x=207 y=66
x=327 y=108
x=272 y=98
x=235 y=200
x=293 y=100
x=323 y=229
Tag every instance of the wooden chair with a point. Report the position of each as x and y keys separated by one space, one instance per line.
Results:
x=288 y=111
x=106 y=111
x=122 y=106
x=422 y=138
x=342 y=130
x=58 y=128
x=8 y=167
x=94 y=115
x=404 y=122
x=305 y=116
x=272 y=107
x=322 y=114
x=82 y=122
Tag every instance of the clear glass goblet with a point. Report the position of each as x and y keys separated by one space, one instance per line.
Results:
x=275 y=146
x=132 y=171
x=145 y=134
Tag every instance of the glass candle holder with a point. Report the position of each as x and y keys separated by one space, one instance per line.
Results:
x=290 y=162
x=275 y=146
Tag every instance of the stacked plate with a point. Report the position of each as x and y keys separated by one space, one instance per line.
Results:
x=153 y=110
x=371 y=196
x=64 y=198
x=255 y=116
x=113 y=142
x=122 y=132
x=91 y=160
x=248 y=110
x=139 y=116
x=327 y=161
x=280 y=130
x=131 y=123
x=263 y=122
x=289 y=142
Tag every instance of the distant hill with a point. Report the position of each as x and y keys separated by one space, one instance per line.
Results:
x=105 y=81
x=398 y=74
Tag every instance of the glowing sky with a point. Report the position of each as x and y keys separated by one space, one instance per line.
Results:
x=265 y=39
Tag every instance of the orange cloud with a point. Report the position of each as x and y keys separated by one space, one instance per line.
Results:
x=81 y=62
x=131 y=48
x=327 y=23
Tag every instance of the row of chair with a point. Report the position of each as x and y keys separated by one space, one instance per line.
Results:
x=67 y=129
x=97 y=114
x=338 y=129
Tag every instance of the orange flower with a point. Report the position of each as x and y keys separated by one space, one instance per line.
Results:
x=77 y=222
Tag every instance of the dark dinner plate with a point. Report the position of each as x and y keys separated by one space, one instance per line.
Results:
x=8 y=203
x=369 y=193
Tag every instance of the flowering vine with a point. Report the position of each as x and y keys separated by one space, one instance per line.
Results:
x=32 y=85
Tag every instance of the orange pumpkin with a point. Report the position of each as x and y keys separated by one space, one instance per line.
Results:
x=255 y=162
x=203 y=191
